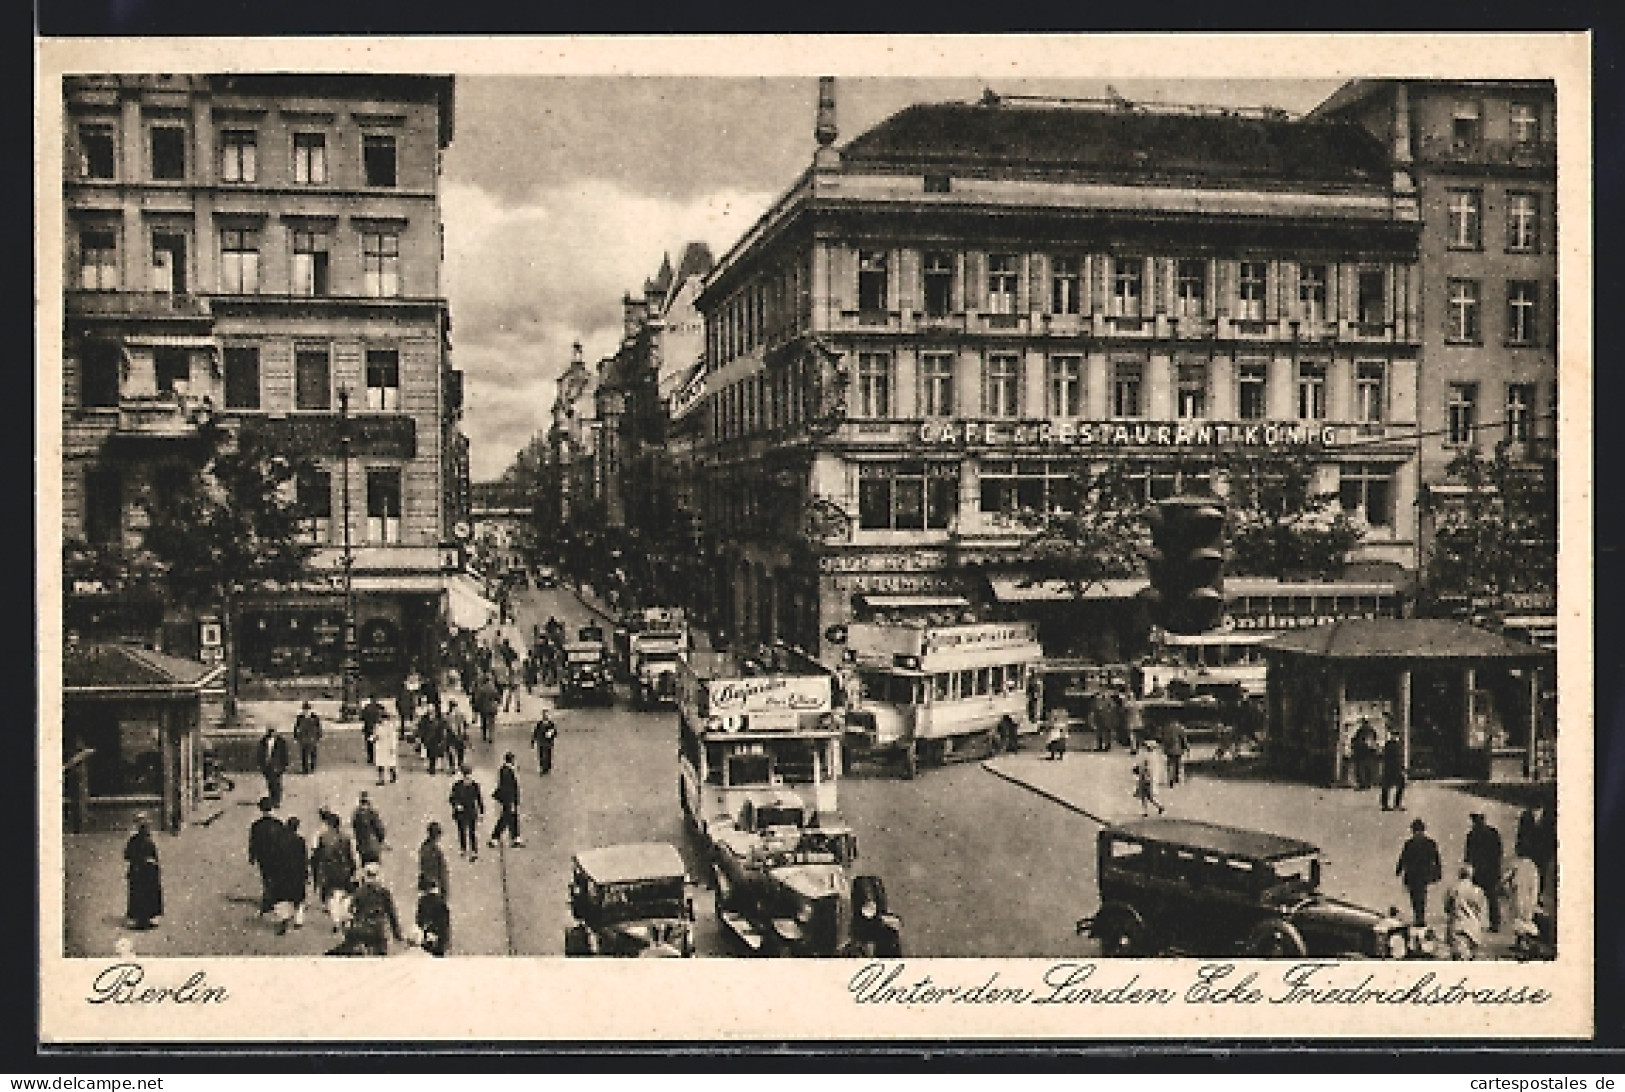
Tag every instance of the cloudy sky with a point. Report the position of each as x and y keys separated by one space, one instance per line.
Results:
x=561 y=194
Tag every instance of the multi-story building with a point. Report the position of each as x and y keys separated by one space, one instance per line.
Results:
x=1483 y=155
x=573 y=441
x=265 y=250
x=944 y=319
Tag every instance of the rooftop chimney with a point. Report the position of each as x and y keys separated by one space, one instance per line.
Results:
x=825 y=132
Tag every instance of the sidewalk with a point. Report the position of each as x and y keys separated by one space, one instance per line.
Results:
x=1360 y=842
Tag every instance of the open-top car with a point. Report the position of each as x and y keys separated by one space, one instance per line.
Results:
x=630 y=900
x=1197 y=888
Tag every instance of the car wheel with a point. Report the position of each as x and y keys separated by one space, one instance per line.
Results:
x=576 y=942
x=1276 y=940
x=1122 y=939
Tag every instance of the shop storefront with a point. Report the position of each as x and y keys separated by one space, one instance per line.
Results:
x=1466 y=702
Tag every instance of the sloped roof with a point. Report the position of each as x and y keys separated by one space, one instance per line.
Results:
x=1091 y=142
x=1402 y=639
x=696 y=260
x=125 y=667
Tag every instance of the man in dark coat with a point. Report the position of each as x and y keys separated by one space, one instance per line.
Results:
x=432 y=860
x=507 y=797
x=1484 y=855
x=543 y=736
x=332 y=864
x=372 y=715
x=456 y=737
x=264 y=851
x=1393 y=772
x=1419 y=867
x=432 y=737
x=273 y=760
x=487 y=699
x=467 y=808
x=434 y=918
x=372 y=917
x=1363 y=750
x=307 y=732
x=369 y=831
x=1175 y=742
x=290 y=877
x=145 y=902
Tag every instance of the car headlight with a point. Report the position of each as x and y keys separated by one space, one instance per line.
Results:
x=1398 y=946
x=804 y=913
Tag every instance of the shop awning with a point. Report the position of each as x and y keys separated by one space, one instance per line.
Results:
x=912 y=602
x=465 y=606
x=1401 y=639
x=1016 y=589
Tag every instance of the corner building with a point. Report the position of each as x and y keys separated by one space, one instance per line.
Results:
x=246 y=248
x=942 y=320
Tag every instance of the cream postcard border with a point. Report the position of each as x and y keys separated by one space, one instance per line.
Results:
x=303 y=1000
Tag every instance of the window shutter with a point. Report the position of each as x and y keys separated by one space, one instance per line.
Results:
x=1347 y=278
x=1099 y=266
x=975 y=280
x=909 y=297
x=1288 y=272
x=894 y=280
x=1272 y=288
x=1038 y=301
x=844 y=274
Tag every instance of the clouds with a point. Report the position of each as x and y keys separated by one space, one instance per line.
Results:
x=528 y=278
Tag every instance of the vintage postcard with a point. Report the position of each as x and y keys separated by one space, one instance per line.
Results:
x=1038 y=537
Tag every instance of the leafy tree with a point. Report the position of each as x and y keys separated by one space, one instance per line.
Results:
x=1095 y=533
x=1277 y=522
x=1497 y=535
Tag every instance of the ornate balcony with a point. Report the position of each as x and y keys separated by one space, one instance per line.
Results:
x=1538 y=154
x=167 y=415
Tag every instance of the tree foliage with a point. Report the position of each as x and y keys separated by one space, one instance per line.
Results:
x=1098 y=535
x=1497 y=534
x=230 y=524
x=1277 y=522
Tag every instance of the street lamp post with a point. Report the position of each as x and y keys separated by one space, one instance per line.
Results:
x=350 y=706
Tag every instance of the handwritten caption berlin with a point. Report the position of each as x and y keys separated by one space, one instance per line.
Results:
x=1303 y=983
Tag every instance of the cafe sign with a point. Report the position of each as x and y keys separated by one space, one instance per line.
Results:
x=1128 y=434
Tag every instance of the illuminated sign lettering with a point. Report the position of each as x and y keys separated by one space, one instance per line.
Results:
x=1127 y=433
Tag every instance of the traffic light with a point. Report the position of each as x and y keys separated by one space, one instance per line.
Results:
x=1186 y=564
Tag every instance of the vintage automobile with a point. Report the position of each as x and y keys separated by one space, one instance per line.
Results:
x=630 y=900
x=584 y=675
x=547 y=576
x=1196 y=888
x=784 y=886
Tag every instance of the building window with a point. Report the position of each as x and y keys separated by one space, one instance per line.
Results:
x=242 y=367
x=1462 y=324
x=907 y=496
x=239 y=155
x=384 y=505
x=383 y=380
x=98 y=260
x=1462 y=208
x=1001 y=397
x=96 y=152
x=1523 y=222
x=1066 y=285
x=874 y=385
x=938 y=183
x=1522 y=300
x=937 y=385
x=313 y=495
x=1520 y=408
x=1158 y=481
x=1312 y=292
x=1524 y=123
x=100 y=363
x=1464 y=124
x=310 y=263
x=1253 y=394
x=239 y=261
x=173 y=368
x=1311 y=390
x=378 y=160
x=1190 y=397
x=168 y=153
x=872 y=280
x=1026 y=486
x=168 y=262
x=1371 y=298
x=1367 y=490
x=310 y=158
x=380 y=263
x=313 y=381
x=1370 y=391
x=1001 y=284
x=939 y=284
x=1128 y=282
x=1251 y=287
x=1065 y=386
x=1461 y=408
x=1127 y=378
x=1190 y=287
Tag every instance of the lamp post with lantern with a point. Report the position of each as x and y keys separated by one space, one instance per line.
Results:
x=350 y=705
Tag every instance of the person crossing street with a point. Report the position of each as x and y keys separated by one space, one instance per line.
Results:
x=307 y=732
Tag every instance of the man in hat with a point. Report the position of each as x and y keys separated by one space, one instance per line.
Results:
x=467 y=808
x=368 y=826
x=265 y=840
x=307 y=732
x=432 y=861
x=1393 y=771
x=372 y=915
x=506 y=795
x=1484 y=855
x=1419 y=868
x=273 y=760
x=372 y=715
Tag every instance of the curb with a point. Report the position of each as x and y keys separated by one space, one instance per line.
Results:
x=1045 y=793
